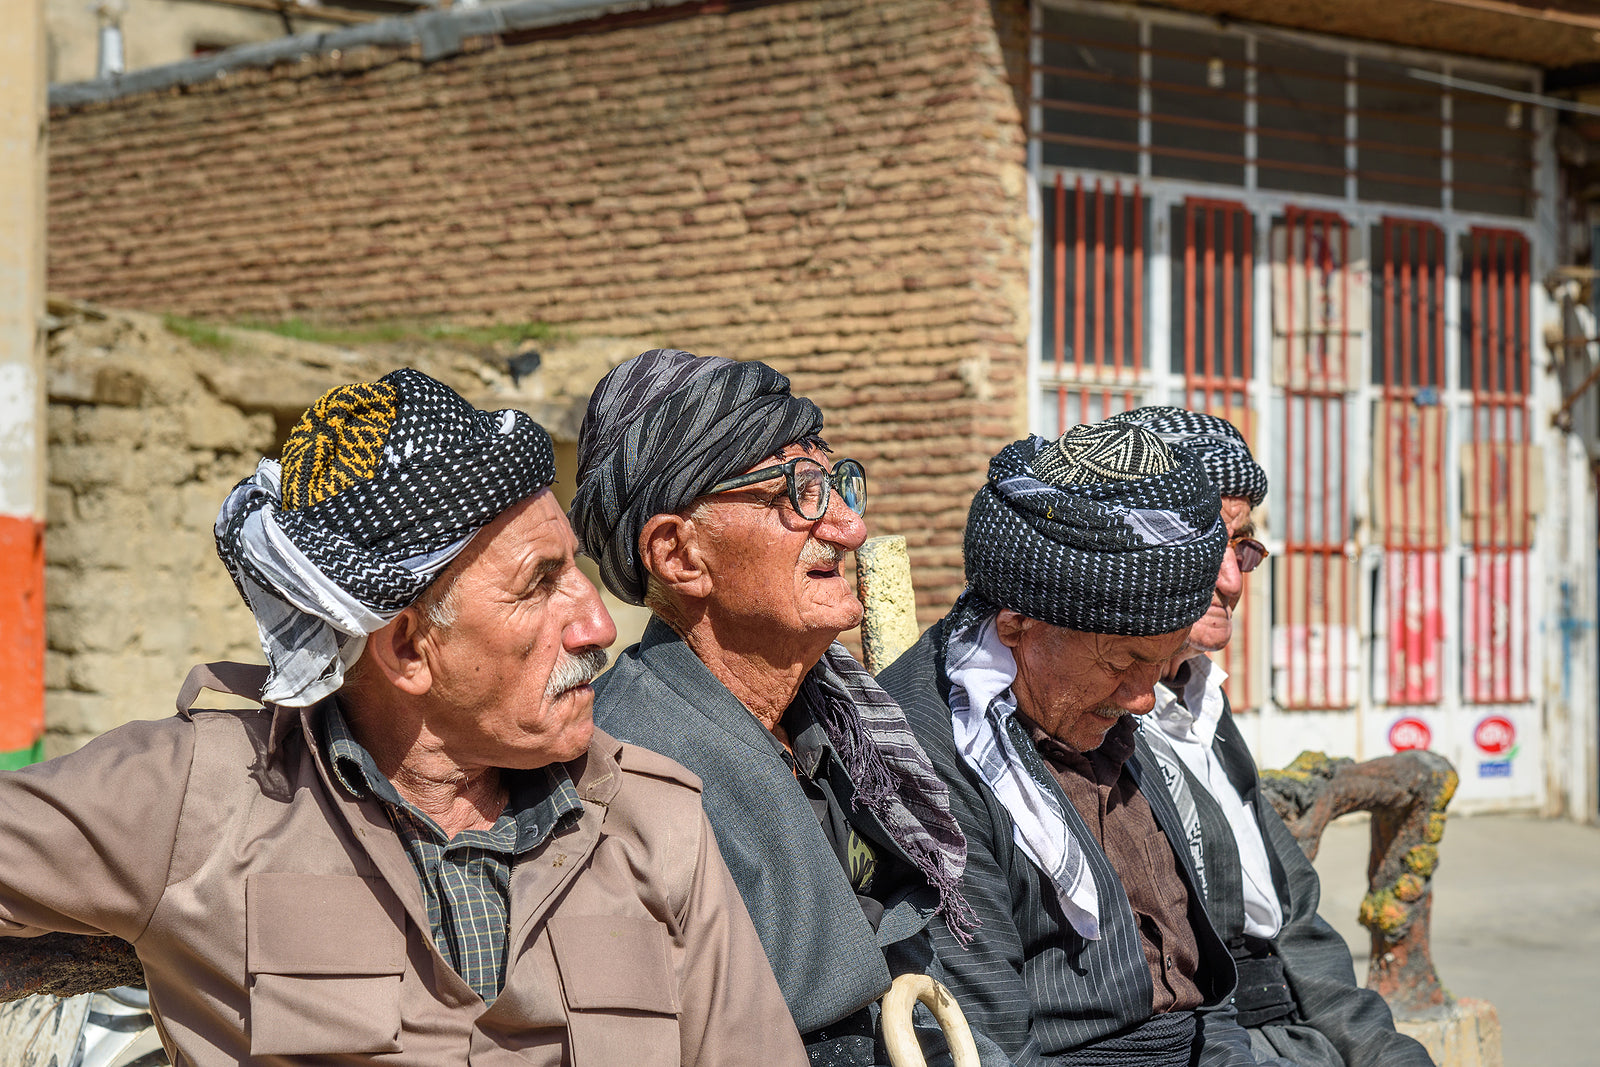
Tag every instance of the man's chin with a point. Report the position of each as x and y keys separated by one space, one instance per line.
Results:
x=575 y=742
x=839 y=613
x=1209 y=635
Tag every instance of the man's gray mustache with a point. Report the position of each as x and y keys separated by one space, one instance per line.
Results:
x=574 y=670
x=820 y=552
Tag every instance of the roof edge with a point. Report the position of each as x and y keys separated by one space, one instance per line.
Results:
x=438 y=35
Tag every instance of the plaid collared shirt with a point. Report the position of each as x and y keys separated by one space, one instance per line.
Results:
x=466 y=880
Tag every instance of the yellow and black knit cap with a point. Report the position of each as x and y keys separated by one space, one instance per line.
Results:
x=377 y=475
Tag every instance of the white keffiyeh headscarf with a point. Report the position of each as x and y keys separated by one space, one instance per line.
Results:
x=981 y=670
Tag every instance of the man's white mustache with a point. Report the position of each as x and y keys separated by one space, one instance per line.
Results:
x=817 y=553
x=580 y=668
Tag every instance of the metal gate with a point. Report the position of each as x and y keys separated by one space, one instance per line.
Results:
x=1500 y=469
x=1216 y=354
x=1095 y=287
x=1315 y=317
x=1408 y=461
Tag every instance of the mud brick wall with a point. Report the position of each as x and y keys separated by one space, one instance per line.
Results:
x=147 y=434
x=835 y=187
x=140 y=455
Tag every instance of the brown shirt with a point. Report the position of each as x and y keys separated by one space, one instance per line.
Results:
x=1105 y=794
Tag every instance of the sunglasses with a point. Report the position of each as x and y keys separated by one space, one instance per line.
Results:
x=810 y=485
x=1248 y=553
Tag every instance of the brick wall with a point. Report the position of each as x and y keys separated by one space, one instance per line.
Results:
x=148 y=432
x=835 y=187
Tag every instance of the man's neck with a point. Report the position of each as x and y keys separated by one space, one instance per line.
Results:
x=455 y=797
x=765 y=677
x=455 y=802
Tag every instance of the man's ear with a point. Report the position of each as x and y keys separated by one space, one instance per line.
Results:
x=400 y=650
x=670 y=547
x=1010 y=626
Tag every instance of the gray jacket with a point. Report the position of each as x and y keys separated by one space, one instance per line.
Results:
x=830 y=964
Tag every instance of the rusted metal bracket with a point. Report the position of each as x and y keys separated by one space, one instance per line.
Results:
x=1407 y=795
x=1562 y=419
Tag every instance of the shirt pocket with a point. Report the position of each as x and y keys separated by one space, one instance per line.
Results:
x=325 y=954
x=621 y=996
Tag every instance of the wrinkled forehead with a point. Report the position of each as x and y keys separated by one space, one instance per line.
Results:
x=809 y=448
x=1158 y=648
x=1236 y=515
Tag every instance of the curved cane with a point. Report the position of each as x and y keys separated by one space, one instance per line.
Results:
x=901 y=1039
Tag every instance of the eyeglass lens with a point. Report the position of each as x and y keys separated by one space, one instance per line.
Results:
x=1248 y=553
x=807 y=484
x=850 y=481
x=810 y=486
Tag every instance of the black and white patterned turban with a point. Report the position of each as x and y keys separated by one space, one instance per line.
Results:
x=1220 y=446
x=660 y=430
x=380 y=486
x=1105 y=530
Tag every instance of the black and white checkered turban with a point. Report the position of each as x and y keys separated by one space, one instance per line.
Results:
x=380 y=486
x=1220 y=446
x=1105 y=530
x=660 y=430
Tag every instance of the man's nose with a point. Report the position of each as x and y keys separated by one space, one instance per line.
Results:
x=1230 y=579
x=1137 y=693
x=841 y=525
x=591 y=625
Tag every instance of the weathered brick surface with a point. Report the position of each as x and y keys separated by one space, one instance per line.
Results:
x=835 y=187
x=147 y=434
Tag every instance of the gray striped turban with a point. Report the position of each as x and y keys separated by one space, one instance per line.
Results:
x=1220 y=446
x=660 y=430
x=1106 y=530
x=380 y=486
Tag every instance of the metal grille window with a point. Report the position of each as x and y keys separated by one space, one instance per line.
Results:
x=1094 y=319
x=1131 y=94
x=1316 y=315
x=1213 y=348
x=1091 y=92
x=1197 y=105
x=1301 y=114
x=1500 y=468
x=1408 y=459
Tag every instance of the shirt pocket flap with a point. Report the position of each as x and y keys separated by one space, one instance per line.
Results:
x=612 y=963
x=322 y=924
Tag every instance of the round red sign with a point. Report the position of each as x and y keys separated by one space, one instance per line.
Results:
x=1409 y=733
x=1495 y=735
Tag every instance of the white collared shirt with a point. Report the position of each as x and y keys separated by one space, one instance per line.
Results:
x=1190 y=725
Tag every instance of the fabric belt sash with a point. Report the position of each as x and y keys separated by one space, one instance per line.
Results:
x=1161 y=1041
x=1263 y=995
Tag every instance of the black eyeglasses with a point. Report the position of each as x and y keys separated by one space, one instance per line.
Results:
x=810 y=485
x=1248 y=553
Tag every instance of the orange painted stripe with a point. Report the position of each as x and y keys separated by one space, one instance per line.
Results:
x=21 y=633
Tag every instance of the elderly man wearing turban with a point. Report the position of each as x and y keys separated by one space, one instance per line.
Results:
x=1297 y=990
x=705 y=492
x=418 y=850
x=1088 y=559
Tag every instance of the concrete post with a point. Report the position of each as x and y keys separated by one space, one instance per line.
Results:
x=22 y=287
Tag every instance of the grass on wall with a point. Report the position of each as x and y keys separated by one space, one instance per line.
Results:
x=212 y=336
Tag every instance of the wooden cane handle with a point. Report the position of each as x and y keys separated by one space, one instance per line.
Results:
x=900 y=1037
